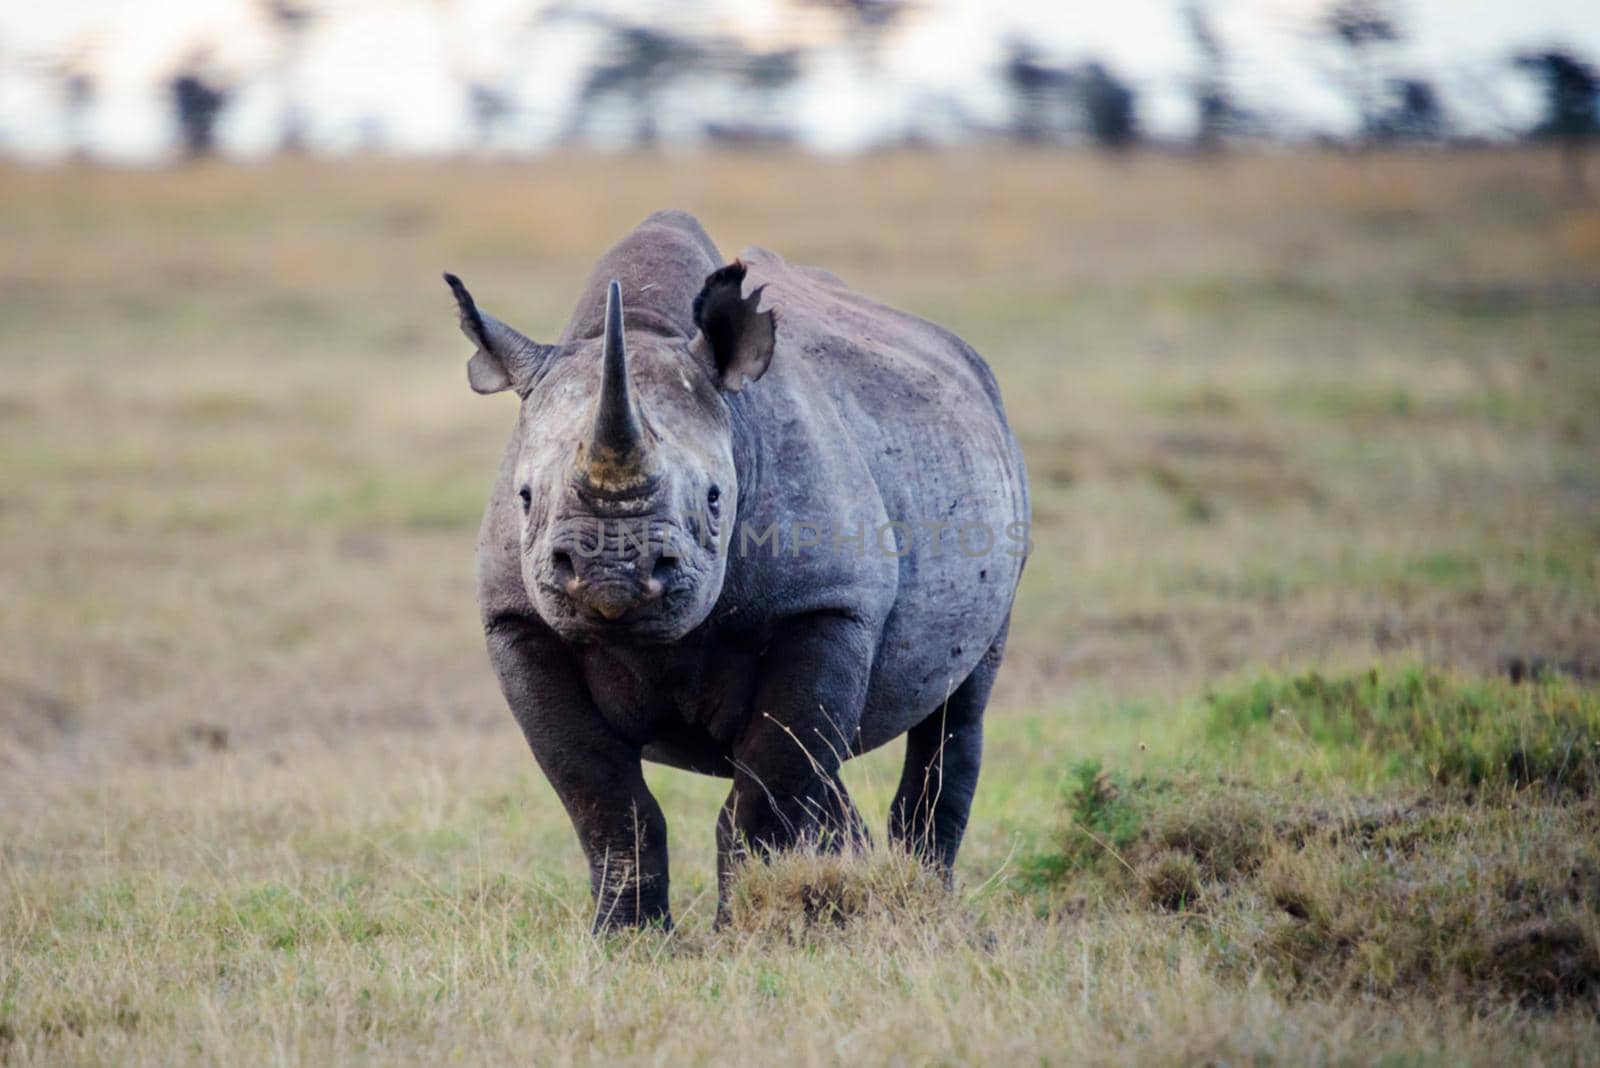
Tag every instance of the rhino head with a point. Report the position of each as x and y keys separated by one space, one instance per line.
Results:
x=624 y=482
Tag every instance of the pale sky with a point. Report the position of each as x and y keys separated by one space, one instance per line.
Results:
x=393 y=70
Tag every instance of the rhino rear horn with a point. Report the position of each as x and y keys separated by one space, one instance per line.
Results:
x=505 y=359
x=735 y=339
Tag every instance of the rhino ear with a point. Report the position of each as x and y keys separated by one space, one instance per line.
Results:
x=505 y=359
x=734 y=339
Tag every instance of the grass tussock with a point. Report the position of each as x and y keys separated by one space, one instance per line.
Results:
x=816 y=894
x=1482 y=903
x=1475 y=902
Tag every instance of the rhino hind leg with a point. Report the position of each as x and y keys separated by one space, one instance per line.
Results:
x=943 y=755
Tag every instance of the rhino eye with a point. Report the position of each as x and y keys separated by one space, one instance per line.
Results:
x=527 y=498
x=714 y=500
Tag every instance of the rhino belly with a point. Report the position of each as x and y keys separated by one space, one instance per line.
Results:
x=956 y=584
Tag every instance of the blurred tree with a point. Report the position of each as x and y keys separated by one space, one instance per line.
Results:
x=870 y=14
x=197 y=103
x=646 y=61
x=1041 y=93
x=771 y=72
x=1362 y=28
x=765 y=76
x=1058 y=103
x=1413 y=114
x=1108 y=105
x=1213 y=101
x=1572 y=106
x=489 y=107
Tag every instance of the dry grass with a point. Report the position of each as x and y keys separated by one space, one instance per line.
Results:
x=261 y=801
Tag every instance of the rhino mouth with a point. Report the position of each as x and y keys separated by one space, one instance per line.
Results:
x=590 y=596
x=646 y=626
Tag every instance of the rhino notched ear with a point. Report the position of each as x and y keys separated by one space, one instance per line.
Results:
x=735 y=339
x=505 y=359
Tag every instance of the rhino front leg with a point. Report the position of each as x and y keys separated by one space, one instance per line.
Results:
x=627 y=855
x=839 y=824
x=597 y=774
x=786 y=786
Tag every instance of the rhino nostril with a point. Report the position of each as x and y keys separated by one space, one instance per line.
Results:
x=566 y=575
x=661 y=573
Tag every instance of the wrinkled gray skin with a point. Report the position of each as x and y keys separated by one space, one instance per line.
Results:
x=782 y=397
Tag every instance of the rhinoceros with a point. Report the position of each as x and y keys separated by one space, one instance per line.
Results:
x=751 y=524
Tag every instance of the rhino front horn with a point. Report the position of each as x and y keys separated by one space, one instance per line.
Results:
x=618 y=448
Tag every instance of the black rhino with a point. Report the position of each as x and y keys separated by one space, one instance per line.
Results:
x=749 y=523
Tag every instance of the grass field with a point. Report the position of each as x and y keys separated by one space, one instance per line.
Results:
x=1314 y=446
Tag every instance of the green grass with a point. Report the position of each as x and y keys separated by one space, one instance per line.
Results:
x=1417 y=727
